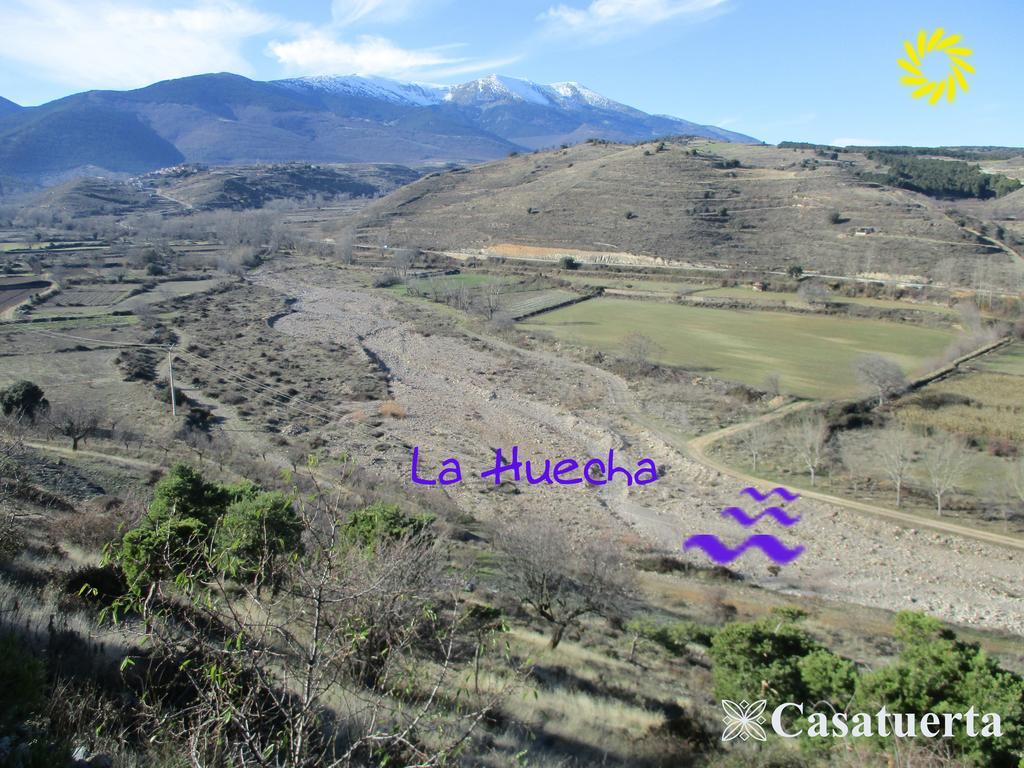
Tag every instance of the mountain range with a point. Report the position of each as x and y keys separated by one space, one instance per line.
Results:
x=226 y=119
x=7 y=106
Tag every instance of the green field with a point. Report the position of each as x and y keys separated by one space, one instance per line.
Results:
x=813 y=355
x=748 y=294
x=1009 y=360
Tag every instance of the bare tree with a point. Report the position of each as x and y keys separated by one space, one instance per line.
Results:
x=563 y=580
x=894 y=448
x=970 y=317
x=35 y=263
x=772 y=384
x=345 y=242
x=402 y=260
x=813 y=292
x=755 y=442
x=881 y=374
x=492 y=298
x=12 y=474
x=1015 y=482
x=77 y=422
x=639 y=348
x=945 y=464
x=807 y=440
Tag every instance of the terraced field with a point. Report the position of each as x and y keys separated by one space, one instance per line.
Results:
x=90 y=296
x=523 y=303
x=768 y=297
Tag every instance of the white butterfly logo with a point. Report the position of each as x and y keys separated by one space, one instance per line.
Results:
x=744 y=720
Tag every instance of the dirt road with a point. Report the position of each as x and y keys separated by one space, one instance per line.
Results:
x=467 y=396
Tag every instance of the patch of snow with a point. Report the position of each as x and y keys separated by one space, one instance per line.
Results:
x=386 y=89
x=580 y=94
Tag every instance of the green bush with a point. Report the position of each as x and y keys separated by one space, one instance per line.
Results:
x=23 y=399
x=191 y=523
x=379 y=523
x=673 y=636
x=762 y=659
x=936 y=672
x=828 y=677
x=154 y=551
x=183 y=493
x=254 y=532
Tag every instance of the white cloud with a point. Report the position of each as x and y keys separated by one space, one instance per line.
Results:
x=131 y=43
x=325 y=49
x=606 y=18
x=319 y=52
x=346 y=12
x=119 y=44
x=468 y=66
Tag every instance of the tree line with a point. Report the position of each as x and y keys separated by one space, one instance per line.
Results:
x=939 y=178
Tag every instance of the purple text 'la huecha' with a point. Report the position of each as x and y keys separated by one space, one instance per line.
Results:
x=563 y=472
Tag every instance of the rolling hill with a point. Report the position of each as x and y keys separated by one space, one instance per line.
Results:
x=241 y=187
x=226 y=119
x=686 y=202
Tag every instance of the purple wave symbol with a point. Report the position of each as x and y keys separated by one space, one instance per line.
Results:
x=776 y=513
x=722 y=554
x=756 y=495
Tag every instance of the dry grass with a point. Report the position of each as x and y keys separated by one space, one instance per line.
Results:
x=575 y=202
x=393 y=409
x=995 y=410
x=603 y=724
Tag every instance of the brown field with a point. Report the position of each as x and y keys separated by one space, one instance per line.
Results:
x=994 y=407
x=15 y=291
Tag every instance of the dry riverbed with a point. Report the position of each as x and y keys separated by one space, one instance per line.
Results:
x=467 y=397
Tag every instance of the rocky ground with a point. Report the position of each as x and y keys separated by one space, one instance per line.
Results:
x=467 y=396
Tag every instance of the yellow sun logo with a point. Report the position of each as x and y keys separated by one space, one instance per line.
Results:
x=958 y=66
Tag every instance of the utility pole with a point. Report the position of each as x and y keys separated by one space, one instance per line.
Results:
x=170 y=378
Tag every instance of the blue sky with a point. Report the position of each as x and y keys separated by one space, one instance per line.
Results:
x=794 y=69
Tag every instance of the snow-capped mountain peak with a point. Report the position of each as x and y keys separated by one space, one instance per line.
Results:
x=383 y=88
x=576 y=92
x=483 y=91
x=521 y=111
x=499 y=88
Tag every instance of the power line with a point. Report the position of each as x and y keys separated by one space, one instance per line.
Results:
x=72 y=337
